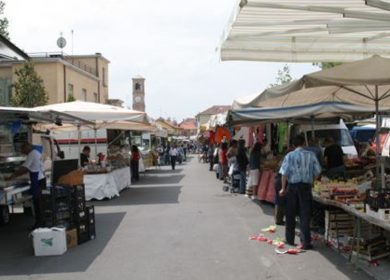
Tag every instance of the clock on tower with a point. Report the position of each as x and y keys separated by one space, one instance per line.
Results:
x=139 y=93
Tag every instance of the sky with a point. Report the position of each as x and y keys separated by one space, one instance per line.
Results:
x=172 y=44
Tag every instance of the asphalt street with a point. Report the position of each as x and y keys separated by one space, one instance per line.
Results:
x=173 y=225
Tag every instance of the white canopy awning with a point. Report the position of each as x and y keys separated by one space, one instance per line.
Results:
x=308 y=31
x=94 y=112
x=320 y=112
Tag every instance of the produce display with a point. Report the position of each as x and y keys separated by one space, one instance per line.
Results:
x=341 y=191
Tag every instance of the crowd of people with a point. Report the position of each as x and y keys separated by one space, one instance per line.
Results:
x=294 y=176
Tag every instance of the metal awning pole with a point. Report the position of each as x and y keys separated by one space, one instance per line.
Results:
x=377 y=150
x=312 y=128
x=95 y=131
x=79 y=142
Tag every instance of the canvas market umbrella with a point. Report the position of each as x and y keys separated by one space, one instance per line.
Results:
x=321 y=112
x=372 y=73
x=94 y=112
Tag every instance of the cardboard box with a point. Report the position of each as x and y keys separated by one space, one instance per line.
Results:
x=49 y=241
x=71 y=238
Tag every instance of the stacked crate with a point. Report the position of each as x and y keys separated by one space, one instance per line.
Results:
x=338 y=223
x=65 y=206
x=56 y=208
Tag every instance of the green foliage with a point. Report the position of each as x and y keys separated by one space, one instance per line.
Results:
x=3 y=22
x=70 y=98
x=327 y=65
x=29 y=90
x=283 y=76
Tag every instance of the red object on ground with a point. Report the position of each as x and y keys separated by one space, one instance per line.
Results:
x=262 y=238
x=293 y=251
x=270 y=241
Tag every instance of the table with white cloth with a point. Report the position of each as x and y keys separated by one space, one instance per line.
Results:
x=106 y=185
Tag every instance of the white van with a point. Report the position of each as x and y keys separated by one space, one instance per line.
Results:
x=339 y=132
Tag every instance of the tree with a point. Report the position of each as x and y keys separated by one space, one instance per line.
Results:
x=29 y=90
x=326 y=65
x=283 y=76
x=70 y=98
x=3 y=22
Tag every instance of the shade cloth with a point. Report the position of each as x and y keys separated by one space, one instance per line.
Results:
x=94 y=111
x=325 y=111
x=307 y=31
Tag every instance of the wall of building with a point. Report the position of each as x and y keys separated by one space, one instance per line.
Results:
x=101 y=64
x=81 y=82
x=202 y=119
x=56 y=80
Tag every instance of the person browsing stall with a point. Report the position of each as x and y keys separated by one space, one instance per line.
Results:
x=334 y=159
x=299 y=169
x=34 y=166
x=84 y=156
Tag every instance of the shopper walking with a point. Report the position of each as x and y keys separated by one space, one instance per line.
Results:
x=210 y=156
x=299 y=168
x=223 y=162
x=134 y=163
x=242 y=163
x=254 y=167
x=173 y=154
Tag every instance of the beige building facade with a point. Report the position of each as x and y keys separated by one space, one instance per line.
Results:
x=83 y=76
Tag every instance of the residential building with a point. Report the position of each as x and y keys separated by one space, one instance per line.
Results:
x=8 y=52
x=85 y=77
x=189 y=127
x=115 y=102
x=172 y=130
x=203 y=117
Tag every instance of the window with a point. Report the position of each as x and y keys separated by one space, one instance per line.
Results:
x=95 y=97
x=104 y=77
x=70 y=92
x=137 y=86
x=84 y=94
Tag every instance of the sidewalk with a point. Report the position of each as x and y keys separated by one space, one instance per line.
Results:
x=173 y=225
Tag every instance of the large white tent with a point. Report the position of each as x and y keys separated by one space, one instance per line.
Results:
x=94 y=112
x=307 y=31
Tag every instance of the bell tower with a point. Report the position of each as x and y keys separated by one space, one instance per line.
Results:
x=139 y=93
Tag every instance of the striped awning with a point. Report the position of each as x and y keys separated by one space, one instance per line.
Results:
x=307 y=30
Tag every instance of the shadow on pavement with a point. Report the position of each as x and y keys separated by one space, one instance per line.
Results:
x=159 y=180
x=162 y=171
x=268 y=208
x=144 y=196
x=17 y=256
x=339 y=262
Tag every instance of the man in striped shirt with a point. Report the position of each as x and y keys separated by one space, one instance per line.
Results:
x=299 y=169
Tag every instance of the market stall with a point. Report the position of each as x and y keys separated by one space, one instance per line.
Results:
x=108 y=171
x=16 y=129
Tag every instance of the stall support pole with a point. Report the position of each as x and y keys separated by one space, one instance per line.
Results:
x=79 y=142
x=95 y=131
x=377 y=150
x=313 y=136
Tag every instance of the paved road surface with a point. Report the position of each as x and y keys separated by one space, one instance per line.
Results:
x=172 y=225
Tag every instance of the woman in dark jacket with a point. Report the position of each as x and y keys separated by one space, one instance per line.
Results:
x=242 y=163
x=134 y=163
